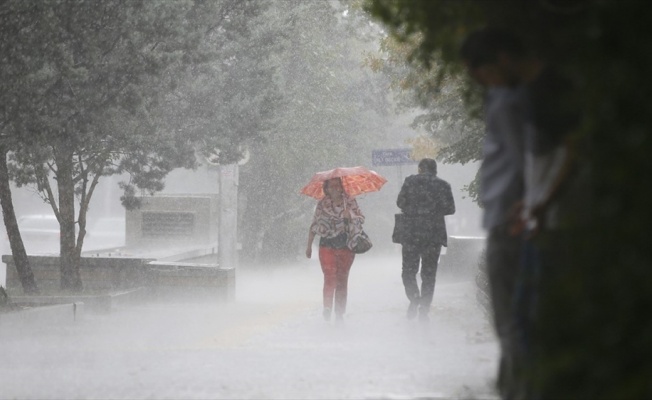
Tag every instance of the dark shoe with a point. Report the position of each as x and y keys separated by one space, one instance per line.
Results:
x=327 y=314
x=412 y=310
x=423 y=314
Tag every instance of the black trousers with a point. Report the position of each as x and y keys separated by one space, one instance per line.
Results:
x=429 y=258
x=503 y=268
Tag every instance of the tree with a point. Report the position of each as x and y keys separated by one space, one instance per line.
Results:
x=601 y=327
x=229 y=102
x=442 y=100
x=15 y=103
x=329 y=109
x=91 y=108
x=23 y=268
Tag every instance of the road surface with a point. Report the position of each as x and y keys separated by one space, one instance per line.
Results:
x=271 y=343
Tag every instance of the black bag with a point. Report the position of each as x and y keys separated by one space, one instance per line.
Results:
x=336 y=242
x=400 y=228
x=363 y=245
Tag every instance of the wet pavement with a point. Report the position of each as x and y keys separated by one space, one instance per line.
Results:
x=271 y=343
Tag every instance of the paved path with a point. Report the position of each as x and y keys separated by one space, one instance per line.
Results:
x=272 y=343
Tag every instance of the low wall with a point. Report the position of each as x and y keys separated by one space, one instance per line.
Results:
x=178 y=280
x=97 y=273
x=162 y=279
x=462 y=256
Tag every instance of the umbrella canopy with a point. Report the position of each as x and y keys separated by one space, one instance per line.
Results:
x=355 y=180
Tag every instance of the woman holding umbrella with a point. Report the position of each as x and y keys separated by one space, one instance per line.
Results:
x=338 y=221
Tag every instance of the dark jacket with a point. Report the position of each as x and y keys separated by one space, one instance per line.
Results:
x=424 y=200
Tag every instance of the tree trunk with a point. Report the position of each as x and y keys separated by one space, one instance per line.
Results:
x=86 y=194
x=15 y=241
x=69 y=257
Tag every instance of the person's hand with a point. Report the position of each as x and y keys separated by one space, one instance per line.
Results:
x=516 y=223
x=309 y=252
x=538 y=216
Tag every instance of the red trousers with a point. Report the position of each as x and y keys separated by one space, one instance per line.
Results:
x=336 y=264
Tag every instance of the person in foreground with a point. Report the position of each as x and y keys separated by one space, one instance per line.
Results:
x=501 y=183
x=338 y=221
x=424 y=200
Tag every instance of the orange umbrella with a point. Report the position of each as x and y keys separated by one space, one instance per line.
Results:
x=355 y=180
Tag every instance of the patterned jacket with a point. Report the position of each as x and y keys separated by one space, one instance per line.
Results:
x=328 y=221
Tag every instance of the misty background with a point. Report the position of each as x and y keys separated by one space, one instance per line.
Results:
x=297 y=89
x=105 y=103
x=127 y=97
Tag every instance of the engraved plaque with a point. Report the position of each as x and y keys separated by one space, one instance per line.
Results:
x=168 y=224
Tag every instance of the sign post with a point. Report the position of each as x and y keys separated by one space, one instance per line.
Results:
x=391 y=157
x=227 y=247
x=228 y=181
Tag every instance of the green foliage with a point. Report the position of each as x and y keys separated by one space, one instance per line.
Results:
x=437 y=96
x=104 y=69
x=107 y=70
x=425 y=80
x=329 y=109
x=440 y=25
x=231 y=101
x=598 y=323
x=93 y=89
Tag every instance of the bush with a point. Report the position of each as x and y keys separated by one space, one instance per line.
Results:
x=482 y=284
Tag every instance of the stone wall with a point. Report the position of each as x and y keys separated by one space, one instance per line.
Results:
x=97 y=273
x=163 y=279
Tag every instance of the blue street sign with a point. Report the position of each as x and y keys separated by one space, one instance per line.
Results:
x=389 y=157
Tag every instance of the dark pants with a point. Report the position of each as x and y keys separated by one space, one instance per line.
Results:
x=503 y=268
x=550 y=268
x=429 y=257
x=525 y=308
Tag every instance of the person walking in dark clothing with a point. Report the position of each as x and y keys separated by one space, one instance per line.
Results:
x=424 y=200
